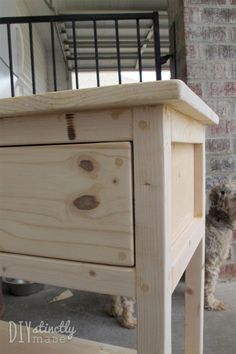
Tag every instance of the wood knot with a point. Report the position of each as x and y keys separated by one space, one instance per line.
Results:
x=189 y=291
x=86 y=165
x=147 y=184
x=142 y=124
x=86 y=202
x=92 y=273
x=118 y=162
x=122 y=256
x=145 y=288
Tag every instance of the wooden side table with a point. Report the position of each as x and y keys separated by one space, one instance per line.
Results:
x=103 y=190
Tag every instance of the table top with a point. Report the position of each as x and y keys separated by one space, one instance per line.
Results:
x=174 y=93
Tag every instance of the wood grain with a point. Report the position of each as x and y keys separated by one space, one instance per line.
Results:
x=182 y=176
x=184 y=129
x=71 y=274
x=194 y=302
x=195 y=272
x=172 y=92
x=46 y=346
x=52 y=205
x=183 y=248
x=108 y=125
x=152 y=185
x=199 y=179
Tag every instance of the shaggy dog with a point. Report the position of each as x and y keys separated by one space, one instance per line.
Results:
x=123 y=309
x=219 y=226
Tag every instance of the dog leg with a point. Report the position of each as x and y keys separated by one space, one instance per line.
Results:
x=128 y=319
x=211 y=276
x=116 y=307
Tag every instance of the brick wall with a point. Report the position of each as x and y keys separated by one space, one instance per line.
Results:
x=206 y=60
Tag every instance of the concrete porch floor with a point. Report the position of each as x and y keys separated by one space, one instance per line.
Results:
x=87 y=313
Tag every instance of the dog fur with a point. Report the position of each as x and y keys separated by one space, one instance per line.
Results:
x=219 y=225
x=123 y=309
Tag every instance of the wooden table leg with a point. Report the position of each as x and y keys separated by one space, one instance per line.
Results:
x=152 y=149
x=194 y=302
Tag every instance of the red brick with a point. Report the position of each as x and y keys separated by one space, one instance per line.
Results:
x=215 y=71
x=214 y=33
x=206 y=33
x=213 y=2
x=232 y=127
x=222 y=164
x=232 y=15
x=196 y=87
x=233 y=2
x=214 y=180
x=218 y=129
x=230 y=89
x=207 y=2
x=233 y=34
x=215 y=15
x=234 y=70
x=192 y=15
x=194 y=51
x=228 y=271
x=224 y=108
x=195 y=70
x=214 y=52
x=233 y=251
x=218 y=145
x=218 y=89
x=225 y=127
x=234 y=144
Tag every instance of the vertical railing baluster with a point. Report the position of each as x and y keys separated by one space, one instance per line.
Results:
x=139 y=51
x=32 y=57
x=10 y=59
x=75 y=55
x=118 y=50
x=96 y=51
x=53 y=57
x=157 y=48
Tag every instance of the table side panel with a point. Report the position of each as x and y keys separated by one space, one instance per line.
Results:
x=188 y=191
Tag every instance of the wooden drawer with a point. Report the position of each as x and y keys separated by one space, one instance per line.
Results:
x=71 y=201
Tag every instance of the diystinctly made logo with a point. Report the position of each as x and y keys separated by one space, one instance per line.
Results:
x=24 y=332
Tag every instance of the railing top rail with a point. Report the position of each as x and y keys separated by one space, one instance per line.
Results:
x=77 y=17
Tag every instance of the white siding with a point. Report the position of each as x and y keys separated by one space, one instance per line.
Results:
x=63 y=76
x=40 y=57
x=21 y=50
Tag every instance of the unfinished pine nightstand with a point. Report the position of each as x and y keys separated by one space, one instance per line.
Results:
x=103 y=190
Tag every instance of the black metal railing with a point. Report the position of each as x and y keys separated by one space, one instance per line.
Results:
x=75 y=57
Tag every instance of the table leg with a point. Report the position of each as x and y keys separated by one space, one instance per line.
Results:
x=194 y=302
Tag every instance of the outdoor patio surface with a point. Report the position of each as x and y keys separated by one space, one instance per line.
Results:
x=88 y=314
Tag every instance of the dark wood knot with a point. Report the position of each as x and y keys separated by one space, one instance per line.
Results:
x=86 y=165
x=86 y=202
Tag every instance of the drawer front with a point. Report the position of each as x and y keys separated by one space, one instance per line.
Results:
x=69 y=202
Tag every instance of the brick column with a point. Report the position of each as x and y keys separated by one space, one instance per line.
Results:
x=206 y=61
